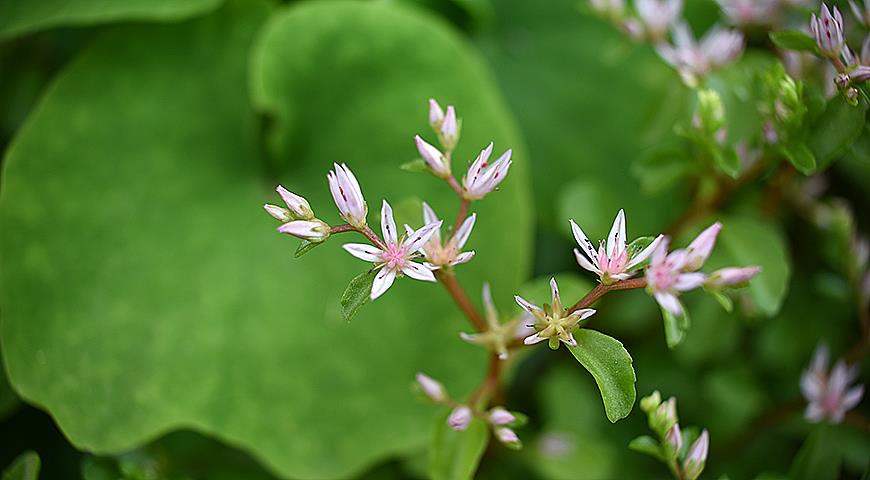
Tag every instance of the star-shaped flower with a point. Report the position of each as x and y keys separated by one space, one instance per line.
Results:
x=396 y=256
x=553 y=322
x=828 y=395
x=439 y=254
x=498 y=335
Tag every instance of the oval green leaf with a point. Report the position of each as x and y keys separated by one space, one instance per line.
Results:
x=455 y=455
x=610 y=364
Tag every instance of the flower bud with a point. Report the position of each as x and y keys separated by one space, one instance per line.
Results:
x=651 y=402
x=313 y=231
x=433 y=157
x=827 y=29
x=851 y=95
x=731 y=277
x=298 y=206
x=278 y=213
x=508 y=437
x=436 y=115
x=675 y=438
x=459 y=418
x=449 y=129
x=696 y=457
x=500 y=416
x=664 y=417
x=710 y=116
x=700 y=248
x=431 y=388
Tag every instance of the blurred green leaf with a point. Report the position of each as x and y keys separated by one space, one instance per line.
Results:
x=19 y=17
x=835 y=130
x=648 y=445
x=24 y=467
x=726 y=159
x=455 y=455
x=356 y=295
x=745 y=241
x=819 y=458
x=800 y=156
x=794 y=40
x=675 y=327
x=610 y=365
x=169 y=287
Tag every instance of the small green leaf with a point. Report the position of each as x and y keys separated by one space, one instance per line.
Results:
x=416 y=165
x=723 y=299
x=305 y=247
x=675 y=327
x=819 y=458
x=24 y=467
x=800 y=156
x=356 y=295
x=648 y=445
x=726 y=159
x=834 y=131
x=610 y=364
x=794 y=40
x=455 y=455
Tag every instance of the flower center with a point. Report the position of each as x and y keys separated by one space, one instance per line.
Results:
x=394 y=256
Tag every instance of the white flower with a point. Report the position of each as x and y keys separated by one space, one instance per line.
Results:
x=313 y=231
x=440 y=254
x=828 y=31
x=611 y=262
x=482 y=176
x=692 y=59
x=397 y=255
x=657 y=16
x=435 y=160
x=431 y=388
x=553 y=322
x=498 y=335
x=666 y=277
x=347 y=195
x=829 y=396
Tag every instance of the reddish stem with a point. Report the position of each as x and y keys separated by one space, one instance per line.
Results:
x=600 y=290
x=448 y=279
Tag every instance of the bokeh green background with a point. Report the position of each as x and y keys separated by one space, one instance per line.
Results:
x=152 y=322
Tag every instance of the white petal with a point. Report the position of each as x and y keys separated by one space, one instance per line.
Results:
x=470 y=181
x=814 y=412
x=418 y=272
x=529 y=307
x=533 y=339
x=462 y=234
x=812 y=385
x=669 y=302
x=488 y=304
x=616 y=238
x=584 y=243
x=644 y=254
x=585 y=313
x=383 y=281
x=463 y=258
x=364 y=252
x=334 y=188
x=554 y=295
x=388 y=224
x=420 y=237
x=689 y=281
x=571 y=341
x=429 y=216
x=581 y=259
x=853 y=397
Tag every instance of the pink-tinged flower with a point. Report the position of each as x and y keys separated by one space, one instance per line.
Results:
x=699 y=250
x=435 y=160
x=611 y=261
x=313 y=231
x=297 y=205
x=498 y=335
x=657 y=16
x=666 y=277
x=718 y=48
x=500 y=416
x=436 y=115
x=431 y=388
x=828 y=395
x=396 y=258
x=731 y=277
x=696 y=457
x=862 y=13
x=508 y=437
x=449 y=129
x=827 y=29
x=459 y=418
x=347 y=195
x=440 y=254
x=750 y=12
x=553 y=323
x=675 y=437
x=482 y=176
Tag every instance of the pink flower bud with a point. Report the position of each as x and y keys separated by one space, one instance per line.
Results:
x=700 y=248
x=431 y=388
x=297 y=205
x=313 y=231
x=433 y=157
x=827 y=29
x=500 y=416
x=459 y=418
x=731 y=277
x=436 y=115
x=675 y=437
x=277 y=212
x=449 y=129
x=508 y=437
x=347 y=195
x=696 y=457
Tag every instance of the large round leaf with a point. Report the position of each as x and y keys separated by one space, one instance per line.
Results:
x=143 y=287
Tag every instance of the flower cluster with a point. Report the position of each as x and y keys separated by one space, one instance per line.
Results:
x=828 y=393
x=684 y=451
x=829 y=31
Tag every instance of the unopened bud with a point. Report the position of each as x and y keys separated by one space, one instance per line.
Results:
x=731 y=277
x=696 y=457
x=675 y=437
x=313 y=231
x=711 y=112
x=842 y=81
x=450 y=129
x=459 y=418
x=433 y=157
x=436 y=115
x=651 y=402
x=298 y=206
x=664 y=417
x=431 y=388
x=278 y=213
x=508 y=437
x=700 y=248
x=500 y=416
